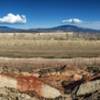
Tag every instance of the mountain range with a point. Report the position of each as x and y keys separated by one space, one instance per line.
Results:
x=62 y=28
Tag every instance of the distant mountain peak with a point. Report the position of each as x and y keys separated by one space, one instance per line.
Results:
x=64 y=28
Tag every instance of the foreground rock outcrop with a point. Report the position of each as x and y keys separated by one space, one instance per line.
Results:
x=28 y=84
x=56 y=83
x=88 y=87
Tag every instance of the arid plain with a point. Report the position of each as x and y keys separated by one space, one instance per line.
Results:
x=62 y=65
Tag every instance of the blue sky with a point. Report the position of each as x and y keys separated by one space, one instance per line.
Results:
x=49 y=13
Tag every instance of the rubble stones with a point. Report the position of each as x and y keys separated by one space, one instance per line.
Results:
x=13 y=94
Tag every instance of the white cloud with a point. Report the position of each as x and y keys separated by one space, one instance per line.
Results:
x=13 y=19
x=72 y=21
x=83 y=23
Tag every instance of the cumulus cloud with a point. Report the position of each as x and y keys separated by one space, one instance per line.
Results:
x=13 y=19
x=72 y=21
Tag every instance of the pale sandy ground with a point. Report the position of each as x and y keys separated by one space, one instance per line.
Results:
x=43 y=62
